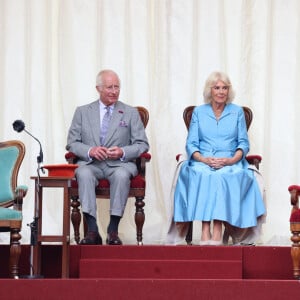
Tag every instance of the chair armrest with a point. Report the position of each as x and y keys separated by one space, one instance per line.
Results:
x=181 y=157
x=71 y=158
x=140 y=161
x=20 y=193
x=254 y=160
x=178 y=157
x=295 y=193
x=295 y=213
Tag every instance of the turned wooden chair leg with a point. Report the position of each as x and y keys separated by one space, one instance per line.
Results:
x=75 y=217
x=15 y=252
x=295 y=250
x=139 y=219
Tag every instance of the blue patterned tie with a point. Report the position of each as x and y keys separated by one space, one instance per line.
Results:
x=105 y=125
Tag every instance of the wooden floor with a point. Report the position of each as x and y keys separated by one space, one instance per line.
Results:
x=156 y=272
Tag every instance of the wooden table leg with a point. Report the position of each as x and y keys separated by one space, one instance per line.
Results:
x=52 y=182
x=66 y=233
x=36 y=265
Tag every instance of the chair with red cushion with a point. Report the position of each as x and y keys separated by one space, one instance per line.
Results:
x=295 y=229
x=137 y=189
x=252 y=160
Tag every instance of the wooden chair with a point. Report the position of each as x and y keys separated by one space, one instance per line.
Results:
x=137 y=189
x=252 y=159
x=295 y=229
x=11 y=199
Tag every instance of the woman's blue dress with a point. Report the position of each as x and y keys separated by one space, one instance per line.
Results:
x=228 y=194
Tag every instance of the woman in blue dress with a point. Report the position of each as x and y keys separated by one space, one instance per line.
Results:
x=215 y=184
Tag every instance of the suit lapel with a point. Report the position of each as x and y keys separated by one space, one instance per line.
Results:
x=94 y=117
x=115 y=120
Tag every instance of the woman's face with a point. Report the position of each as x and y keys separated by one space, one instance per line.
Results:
x=219 y=92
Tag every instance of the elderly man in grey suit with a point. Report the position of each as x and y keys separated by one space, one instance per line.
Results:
x=106 y=135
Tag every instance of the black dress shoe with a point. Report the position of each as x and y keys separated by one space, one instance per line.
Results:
x=92 y=238
x=113 y=239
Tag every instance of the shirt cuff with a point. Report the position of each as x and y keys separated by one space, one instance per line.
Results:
x=88 y=155
x=123 y=156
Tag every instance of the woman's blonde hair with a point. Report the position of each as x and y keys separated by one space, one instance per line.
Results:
x=212 y=79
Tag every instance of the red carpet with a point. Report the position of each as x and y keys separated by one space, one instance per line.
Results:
x=156 y=272
x=161 y=262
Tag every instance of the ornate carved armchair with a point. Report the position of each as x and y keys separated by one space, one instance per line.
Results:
x=252 y=160
x=295 y=229
x=11 y=199
x=137 y=189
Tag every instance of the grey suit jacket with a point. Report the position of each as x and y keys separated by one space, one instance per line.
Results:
x=126 y=130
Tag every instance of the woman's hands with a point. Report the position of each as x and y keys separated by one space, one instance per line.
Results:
x=217 y=162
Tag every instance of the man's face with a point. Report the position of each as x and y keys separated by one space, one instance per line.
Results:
x=109 y=91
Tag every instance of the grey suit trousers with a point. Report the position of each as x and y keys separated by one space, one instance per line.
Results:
x=88 y=176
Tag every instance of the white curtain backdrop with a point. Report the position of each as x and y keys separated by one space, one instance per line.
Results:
x=163 y=50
